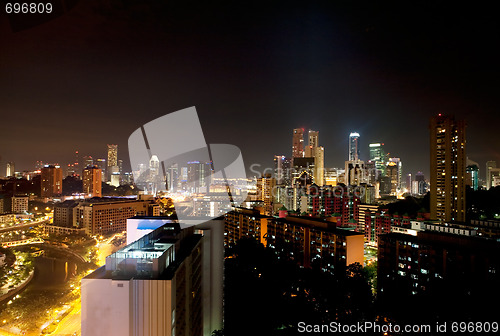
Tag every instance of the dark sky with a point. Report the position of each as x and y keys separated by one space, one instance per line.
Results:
x=254 y=70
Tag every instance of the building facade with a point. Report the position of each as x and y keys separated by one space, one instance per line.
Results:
x=447 y=187
x=51 y=181
x=92 y=181
x=298 y=143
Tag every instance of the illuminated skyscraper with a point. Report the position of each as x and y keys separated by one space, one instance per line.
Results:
x=112 y=155
x=490 y=166
x=101 y=164
x=92 y=181
x=10 y=171
x=51 y=182
x=472 y=174
x=112 y=168
x=377 y=155
x=447 y=140
x=298 y=143
x=265 y=189
x=312 y=144
x=319 y=165
x=314 y=150
x=354 y=146
x=282 y=170
x=199 y=176
x=395 y=172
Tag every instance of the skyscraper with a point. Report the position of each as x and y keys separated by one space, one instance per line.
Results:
x=298 y=143
x=51 y=182
x=112 y=161
x=282 y=170
x=490 y=165
x=377 y=155
x=319 y=165
x=10 y=171
x=265 y=192
x=472 y=174
x=112 y=155
x=354 y=146
x=312 y=144
x=92 y=181
x=395 y=171
x=447 y=140
x=199 y=176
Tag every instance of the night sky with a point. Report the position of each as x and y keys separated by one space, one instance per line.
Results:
x=254 y=70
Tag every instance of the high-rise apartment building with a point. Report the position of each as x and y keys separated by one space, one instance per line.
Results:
x=51 y=182
x=298 y=143
x=265 y=192
x=92 y=181
x=447 y=141
x=354 y=146
x=167 y=283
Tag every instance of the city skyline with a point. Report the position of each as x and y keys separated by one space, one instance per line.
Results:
x=333 y=68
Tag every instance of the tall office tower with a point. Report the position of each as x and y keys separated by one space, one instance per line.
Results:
x=101 y=164
x=489 y=166
x=409 y=180
x=377 y=155
x=421 y=188
x=282 y=170
x=265 y=192
x=355 y=173
x=398 y=167
x=298 y=143
x=312 y=144
x=92 y=181
x=112 y=155
x=11 y=169
x=472 y=174
x=51 y=182
x=199 y=176
x=447 y=140
x=112 y=164
x=319 y=165
x=154 y=165
x=353 y=146
x=172 y=177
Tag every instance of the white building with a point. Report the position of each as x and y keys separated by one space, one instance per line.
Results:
x=167 y=283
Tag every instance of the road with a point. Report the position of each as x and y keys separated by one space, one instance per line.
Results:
x=22 y=226
x=71 y=323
